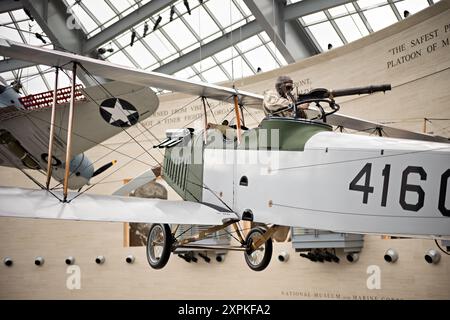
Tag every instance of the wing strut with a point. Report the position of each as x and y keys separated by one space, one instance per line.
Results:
x=206 y=118
x=52 y=132
x=238 y=118
x=69 y=132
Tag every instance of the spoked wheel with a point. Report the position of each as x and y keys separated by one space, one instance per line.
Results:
x=258 y=259
x=159 y=244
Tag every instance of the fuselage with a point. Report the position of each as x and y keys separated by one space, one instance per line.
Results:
x=301 y=173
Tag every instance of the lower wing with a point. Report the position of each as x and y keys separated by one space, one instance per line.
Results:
x=107 y=111
x=28 y=203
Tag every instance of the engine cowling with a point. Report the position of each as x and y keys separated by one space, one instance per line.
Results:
x=81 y=171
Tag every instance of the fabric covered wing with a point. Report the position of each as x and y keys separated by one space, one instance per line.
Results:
x=121 y=73
x=153 y=79
x=368 y=126
x=31 y=128
x=28 y=203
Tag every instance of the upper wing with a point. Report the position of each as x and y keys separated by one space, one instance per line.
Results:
x=88 y=207
x=364 y=125
x=30 y=128
x=121 y=73
x=153 y=79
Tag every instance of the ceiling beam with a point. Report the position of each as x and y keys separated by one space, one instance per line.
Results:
x=54 y=19
x=290 y=40
x=305 y=7
x=10 y=5
x=226 y=41
x=125 y=24
x=57 y=22
x=269 y=14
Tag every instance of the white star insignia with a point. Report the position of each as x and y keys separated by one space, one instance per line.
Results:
x=119 y=113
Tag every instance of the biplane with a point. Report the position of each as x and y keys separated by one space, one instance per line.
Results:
x=287 y=172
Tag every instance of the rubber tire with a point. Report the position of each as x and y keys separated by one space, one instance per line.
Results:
x=167 y=246
x=267 y=251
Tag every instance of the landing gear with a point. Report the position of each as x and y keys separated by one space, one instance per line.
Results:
x=257 y=246
x=159 y=245
x=258 y=258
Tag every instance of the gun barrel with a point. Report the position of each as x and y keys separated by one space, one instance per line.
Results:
x=360 y=90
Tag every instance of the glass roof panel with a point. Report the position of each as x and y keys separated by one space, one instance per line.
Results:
x=190 y=48
x=237 y=68
x=325 y=34
x=380 y=17
x=142 y=56
x=84 y=19
x=315 y=17
x=122 y=5
x=120 y=58
x=277 y=53
x=211 y=37
x=249 y=44
x=214 y=75
x=352 y=27
x=204 y=64
x=179 y=34
x=159 y=44
x=261 y=58
x=100 y=9
x=338 y=11
x=186 y=73
x=413 y=6
x=208 y=21
x=364 y=4
x=244 y=7
x=226 y=54
x=225 y=14
x=201 y=22
x=265 y=36
x=34 y=82
x=9 y=32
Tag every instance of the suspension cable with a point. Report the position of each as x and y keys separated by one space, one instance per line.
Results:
x=124 y=130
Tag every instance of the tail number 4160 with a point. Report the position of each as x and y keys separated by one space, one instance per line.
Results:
x=366 y=188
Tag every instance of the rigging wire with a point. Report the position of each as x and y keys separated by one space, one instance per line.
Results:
x=88 y=139
x=112 y=96
x=28 y=175
x=128 y=162
x=231 y=44
x=212 y=113
x=124 y=130
x=105 y=177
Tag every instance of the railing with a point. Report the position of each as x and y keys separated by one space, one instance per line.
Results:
x=45 y=99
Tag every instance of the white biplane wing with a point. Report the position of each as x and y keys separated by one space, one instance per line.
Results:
x=153 y=79
x=387 y=131
x=28 y=203
x=90 y=129
x=121 y=73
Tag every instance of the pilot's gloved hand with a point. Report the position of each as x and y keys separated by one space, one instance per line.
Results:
x=304 y=106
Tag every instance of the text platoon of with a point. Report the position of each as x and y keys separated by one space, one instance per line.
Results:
x=425 y=44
